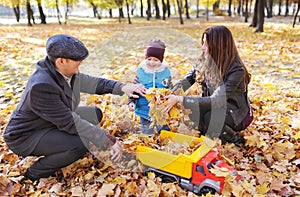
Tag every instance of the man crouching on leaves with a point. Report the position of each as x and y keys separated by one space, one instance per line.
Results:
x=48 y=121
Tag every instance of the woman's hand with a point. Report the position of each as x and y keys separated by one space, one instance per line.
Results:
x=131 y=88
x=171 y=101
x=117 y=151
x=131 y=106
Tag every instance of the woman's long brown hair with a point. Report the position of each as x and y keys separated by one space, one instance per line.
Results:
x=222 y=50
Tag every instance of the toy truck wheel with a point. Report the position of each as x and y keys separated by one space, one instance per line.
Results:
x=167 y=179
x=206 y=190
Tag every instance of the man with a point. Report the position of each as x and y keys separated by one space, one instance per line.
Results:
x=48 y=121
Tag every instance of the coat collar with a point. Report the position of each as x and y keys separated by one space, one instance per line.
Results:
x=60 y=80
x=162 y=67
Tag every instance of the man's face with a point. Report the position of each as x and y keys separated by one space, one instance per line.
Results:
x=73 y=67
x=67 y=67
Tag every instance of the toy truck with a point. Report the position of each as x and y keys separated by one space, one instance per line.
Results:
x=192 y=172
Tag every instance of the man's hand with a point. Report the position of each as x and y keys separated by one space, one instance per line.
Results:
x=117 y=151
x=130 y=89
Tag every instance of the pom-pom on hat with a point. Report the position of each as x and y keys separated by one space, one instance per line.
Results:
x=65 y=46
x=155 y=48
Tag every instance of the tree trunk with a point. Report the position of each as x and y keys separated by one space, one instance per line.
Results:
x=29 y=13
x=121 y=13
x=164 y=9
x=267 y=8
x=242 y=8
x=255 y=15
x=17 y=13
x=187 y=9
x=128 y=15
x=271 y=9
x=296 y=14
x=197 y=9
x=286 y=7
x=42 y=15
x=229 y=7
x=157 y=13
x=239 y=8
x=246 y=11
x=142 y=9
x=110 y=13
x=261 y=16
x=169 y=8
x=67 y=10
x=95 y=10
x=132 y=9
x=207 y=4
x=279 y=7
x=179 y=5
x=58 y=12
x=148 y=10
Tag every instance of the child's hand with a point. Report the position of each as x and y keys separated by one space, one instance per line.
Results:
x=131 y=106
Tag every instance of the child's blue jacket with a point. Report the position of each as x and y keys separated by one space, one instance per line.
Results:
x=158 y=78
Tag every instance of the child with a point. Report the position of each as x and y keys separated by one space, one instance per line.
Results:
x=153 y=72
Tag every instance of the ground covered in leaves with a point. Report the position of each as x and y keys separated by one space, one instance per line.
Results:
x=269 y=162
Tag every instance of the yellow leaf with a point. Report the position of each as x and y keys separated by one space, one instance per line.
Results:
x=286 y=120
x=151 y=175
x=237 y=190
x=174 y=113
x=77 y=191
x=297 y=136
x=221 y=172
x=152 y=186
x=91 y=99
x=259 y=195
x=263 y=189
x=150 y=97
x=89 y=175
x=106 y=189
x=119 y=180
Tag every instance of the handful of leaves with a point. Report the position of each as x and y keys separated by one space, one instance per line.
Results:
x=157 y=103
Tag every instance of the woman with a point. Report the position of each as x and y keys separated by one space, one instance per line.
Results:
x=224 y=107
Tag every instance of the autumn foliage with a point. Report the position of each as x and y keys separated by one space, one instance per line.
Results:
x=269 y=162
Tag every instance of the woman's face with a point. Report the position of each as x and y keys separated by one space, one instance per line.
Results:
x=205 y=46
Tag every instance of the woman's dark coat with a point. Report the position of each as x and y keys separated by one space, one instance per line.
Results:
x=231 y=95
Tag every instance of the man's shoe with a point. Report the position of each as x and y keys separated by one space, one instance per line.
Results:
x=30 y=177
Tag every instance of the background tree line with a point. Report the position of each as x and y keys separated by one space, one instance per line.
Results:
x=161 y=9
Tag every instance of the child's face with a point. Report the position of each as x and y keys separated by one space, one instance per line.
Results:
x=153 y=62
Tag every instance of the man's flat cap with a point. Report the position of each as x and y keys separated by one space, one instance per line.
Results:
x=65 y=46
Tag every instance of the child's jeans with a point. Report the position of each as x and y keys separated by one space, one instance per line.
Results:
x=149 y=131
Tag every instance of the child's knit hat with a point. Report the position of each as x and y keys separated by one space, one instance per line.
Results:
x=155 y=48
